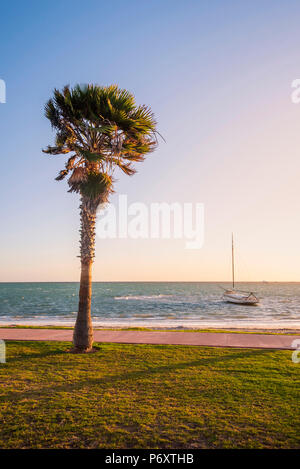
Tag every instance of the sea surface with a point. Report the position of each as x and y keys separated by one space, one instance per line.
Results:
x=156 y=304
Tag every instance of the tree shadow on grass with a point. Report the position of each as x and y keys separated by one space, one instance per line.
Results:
x=24 y=357
x=108 y=380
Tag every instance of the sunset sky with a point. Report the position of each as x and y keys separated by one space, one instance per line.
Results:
x=218 y=77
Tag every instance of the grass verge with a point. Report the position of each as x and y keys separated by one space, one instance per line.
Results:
x=232 y=331
x=147 y=396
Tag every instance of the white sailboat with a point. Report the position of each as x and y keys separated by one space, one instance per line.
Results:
x=237 y=296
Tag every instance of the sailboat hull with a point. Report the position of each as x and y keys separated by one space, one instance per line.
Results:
x=240 y=298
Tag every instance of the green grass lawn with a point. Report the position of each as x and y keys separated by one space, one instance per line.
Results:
x=148 y=396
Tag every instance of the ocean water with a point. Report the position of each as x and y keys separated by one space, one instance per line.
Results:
x=146 y=304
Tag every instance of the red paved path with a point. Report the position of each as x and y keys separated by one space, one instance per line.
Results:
x=161 y=337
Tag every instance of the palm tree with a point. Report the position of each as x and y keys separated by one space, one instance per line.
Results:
x=103 y=129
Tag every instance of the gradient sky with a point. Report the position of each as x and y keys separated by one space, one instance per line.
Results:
x=218 y=77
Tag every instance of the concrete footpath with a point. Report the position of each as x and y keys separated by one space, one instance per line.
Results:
x=210 y=339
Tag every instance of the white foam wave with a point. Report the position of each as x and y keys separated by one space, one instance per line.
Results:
x=141 y=297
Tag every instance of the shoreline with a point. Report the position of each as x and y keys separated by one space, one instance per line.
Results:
x=153 y=327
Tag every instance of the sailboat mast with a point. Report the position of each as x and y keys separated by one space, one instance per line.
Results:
x=232 y=259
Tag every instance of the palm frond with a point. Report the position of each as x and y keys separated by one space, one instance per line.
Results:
x=95 y=185
x=104 y=129
x=61 y=175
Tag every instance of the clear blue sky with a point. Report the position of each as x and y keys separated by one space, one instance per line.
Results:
x=217 y=75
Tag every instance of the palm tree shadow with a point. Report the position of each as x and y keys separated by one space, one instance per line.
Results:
x=44 y=354
x=134 y=375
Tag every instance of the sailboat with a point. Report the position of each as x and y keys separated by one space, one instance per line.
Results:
x=237 y=296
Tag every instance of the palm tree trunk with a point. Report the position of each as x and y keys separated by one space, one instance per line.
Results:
x=83 y=331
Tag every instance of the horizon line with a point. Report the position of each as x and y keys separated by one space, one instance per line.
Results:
x=152 y=281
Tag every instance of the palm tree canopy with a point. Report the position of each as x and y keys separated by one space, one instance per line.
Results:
x=103 y=128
